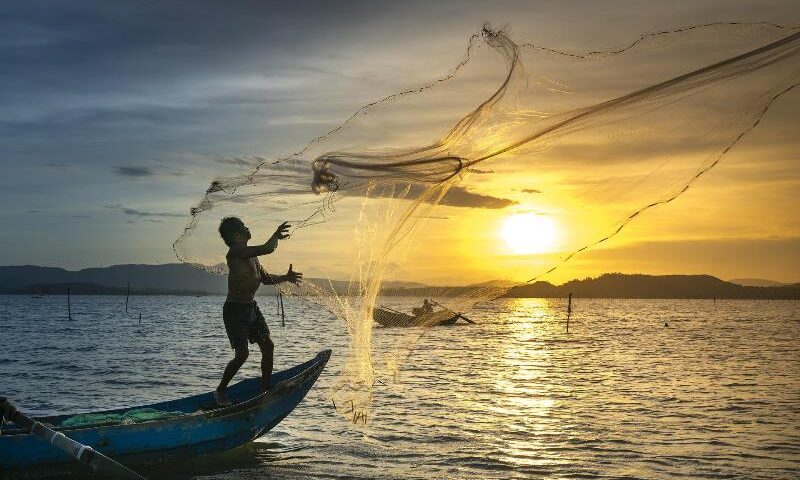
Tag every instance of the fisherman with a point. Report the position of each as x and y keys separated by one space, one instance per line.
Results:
x=427 y=307
x=243 y=320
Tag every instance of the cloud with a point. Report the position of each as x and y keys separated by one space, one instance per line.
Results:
x=530 y=190
x=138 y=213
x=142 y=214
x=142 y=172
x=457 y=196
x=461 y=197
x=135 y=172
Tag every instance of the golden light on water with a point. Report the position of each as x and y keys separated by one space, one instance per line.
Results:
x=528 y=233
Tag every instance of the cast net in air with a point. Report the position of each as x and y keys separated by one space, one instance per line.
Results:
x=409 y=197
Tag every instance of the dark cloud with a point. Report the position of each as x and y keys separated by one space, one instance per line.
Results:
x=139 y=213
x=142 y=172
x=530 y=190
x=142 y=214
x=457 y=196
x=461 y=197
x=136 y=172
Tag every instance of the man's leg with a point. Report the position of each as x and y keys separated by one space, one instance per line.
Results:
x=267 y=350
x=233 y=366
x=259 y=333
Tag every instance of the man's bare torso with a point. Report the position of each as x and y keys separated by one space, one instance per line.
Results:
x=244 y=278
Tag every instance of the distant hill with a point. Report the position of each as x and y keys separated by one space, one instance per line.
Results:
x=181 y=279
x=153 y=278
x=82 y=288
x=617 y=285
x=167 y=279
x=757 y=282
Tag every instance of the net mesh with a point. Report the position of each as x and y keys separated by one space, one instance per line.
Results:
x=404 y=200
x=136 y=415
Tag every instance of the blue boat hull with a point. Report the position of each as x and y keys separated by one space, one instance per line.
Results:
x=197 y=432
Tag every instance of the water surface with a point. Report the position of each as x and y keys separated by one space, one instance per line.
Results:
x=715 y=394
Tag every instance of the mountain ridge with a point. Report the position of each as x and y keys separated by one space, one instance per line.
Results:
x=618 y=285
x=757 y=282
x=182 y=279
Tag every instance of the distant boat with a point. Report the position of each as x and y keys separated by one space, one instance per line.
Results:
x=393 y=318
x=195 y=426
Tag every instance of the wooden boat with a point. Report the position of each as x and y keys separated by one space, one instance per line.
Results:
x=392 y=318
x=198 y=428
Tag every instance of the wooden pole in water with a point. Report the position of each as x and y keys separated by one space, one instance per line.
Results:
x=569 y=309
x=69 y=306
x=283 y=314
x=127 y=296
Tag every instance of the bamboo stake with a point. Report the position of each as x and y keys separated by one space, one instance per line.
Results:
x=283 y=314
x=569 y=309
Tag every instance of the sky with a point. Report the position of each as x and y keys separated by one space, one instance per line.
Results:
x=116 y=116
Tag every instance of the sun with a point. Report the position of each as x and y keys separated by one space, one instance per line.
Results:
x=527 y=233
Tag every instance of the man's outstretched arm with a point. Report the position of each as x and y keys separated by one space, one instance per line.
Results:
x=291 y=276
x=268 y=247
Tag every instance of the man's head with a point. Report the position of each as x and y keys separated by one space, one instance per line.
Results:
x=233 y=231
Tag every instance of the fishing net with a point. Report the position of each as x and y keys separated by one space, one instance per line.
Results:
x=495 y=174
x=136 y=415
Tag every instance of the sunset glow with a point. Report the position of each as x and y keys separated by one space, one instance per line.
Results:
x=528 y=233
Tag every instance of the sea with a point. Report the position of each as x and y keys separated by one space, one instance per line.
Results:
x=645 y=389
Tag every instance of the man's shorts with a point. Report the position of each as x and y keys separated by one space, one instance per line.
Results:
x=243 y=322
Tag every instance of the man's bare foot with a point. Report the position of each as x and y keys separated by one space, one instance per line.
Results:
x=221 y=398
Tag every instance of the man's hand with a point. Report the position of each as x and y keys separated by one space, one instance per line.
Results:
x=292 y=276
x=282 y=232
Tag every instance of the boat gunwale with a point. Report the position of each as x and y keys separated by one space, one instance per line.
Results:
x=314 y=368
